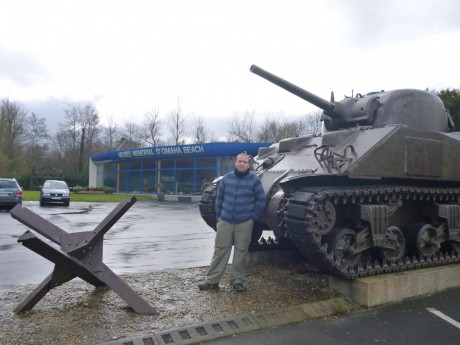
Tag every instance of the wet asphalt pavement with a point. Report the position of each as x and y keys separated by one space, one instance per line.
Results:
x=150 y=236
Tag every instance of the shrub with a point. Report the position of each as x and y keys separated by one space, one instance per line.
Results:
x=107 y=190
x=77 y=189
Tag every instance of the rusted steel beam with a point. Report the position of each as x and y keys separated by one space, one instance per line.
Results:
x=80 y=256
x=98 y=233
x=60 y=259
x=125 y=292
x=37 y=223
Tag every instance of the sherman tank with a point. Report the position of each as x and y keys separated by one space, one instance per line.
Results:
x=377 y=192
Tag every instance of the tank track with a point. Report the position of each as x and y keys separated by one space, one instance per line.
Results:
x=306 y=228
x=207 y=206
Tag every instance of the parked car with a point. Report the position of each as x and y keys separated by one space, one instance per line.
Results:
x=10 y=193
x=54 y=192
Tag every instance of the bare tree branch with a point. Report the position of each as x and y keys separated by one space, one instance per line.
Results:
x=110 y=135
x=13 y=127
x=133 y=135
x=37 y=139
x=313 y=124
x=152 y=127
x=76 y=139
x=177 y=125
x=241 y=127
x=269 y=131
x=199 y=131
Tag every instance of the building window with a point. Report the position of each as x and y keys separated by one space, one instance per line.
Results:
x=122 y=181
x=135 y=165
x=226 y=164
x=166 y=184
x=123 y=166
x=148 y=180
x=185 y=182
x=204 y=179
x=149 y=164
x=167 y=163
x=135 y=182
x=110 y=176
x=206 y=162
x=185 y=163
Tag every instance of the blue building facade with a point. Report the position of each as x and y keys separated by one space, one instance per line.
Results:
x=181 y=169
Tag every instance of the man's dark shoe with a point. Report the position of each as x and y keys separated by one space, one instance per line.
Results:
x=238 y=287
x=207 y=286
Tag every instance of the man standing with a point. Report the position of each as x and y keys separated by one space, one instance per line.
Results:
x=240 y=201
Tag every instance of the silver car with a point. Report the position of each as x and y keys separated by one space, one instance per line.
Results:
x=10 y=193
x=54 y=192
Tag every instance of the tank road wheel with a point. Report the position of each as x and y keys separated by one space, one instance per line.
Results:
x=322 y=217
x=422 y=240
x=341 y=242
x=275 y=214
x=395 y=239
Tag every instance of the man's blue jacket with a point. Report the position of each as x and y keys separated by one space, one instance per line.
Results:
x=239 y=198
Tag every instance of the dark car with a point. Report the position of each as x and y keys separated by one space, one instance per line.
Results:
x=54 y=192
x=10 y=193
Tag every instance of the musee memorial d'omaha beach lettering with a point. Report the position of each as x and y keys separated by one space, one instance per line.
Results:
x=173 y=150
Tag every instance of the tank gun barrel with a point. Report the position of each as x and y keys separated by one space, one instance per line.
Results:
x=327 y=106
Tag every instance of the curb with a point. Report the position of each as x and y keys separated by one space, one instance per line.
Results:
x=199 y=333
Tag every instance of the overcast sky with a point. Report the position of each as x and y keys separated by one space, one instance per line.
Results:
x=129 y=57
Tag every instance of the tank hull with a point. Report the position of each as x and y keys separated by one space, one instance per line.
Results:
x=363 y=201
x=359 y=201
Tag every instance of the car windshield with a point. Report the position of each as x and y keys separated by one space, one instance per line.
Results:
x=56 y=184
x=8 y=184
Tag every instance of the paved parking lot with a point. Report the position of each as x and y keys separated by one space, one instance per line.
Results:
x=428 y=320
x=150 y=236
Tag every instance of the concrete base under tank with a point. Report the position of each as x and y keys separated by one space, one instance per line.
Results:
x=276 y=257
x=395 y=287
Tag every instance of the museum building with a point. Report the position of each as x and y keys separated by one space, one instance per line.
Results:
x=181 y=169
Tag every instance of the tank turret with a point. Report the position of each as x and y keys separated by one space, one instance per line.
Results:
x=413 y=108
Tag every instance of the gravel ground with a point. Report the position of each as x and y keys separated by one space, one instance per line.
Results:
x=76 y=313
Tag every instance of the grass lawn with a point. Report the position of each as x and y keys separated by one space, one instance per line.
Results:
x=35 y=196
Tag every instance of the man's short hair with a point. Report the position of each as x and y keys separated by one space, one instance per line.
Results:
x=244 y=153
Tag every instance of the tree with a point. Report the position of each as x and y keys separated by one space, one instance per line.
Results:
x=76 y=139
x=291 y=129
x=451 y=99
x=13 y=129
x=241 y=128
x=109 y=137
x=313 y=124
x=274 y=131
x=132 y=135
x=269 y=131
x=152 y=127
x=177 y=126
x=199 y=131
x=37 y=141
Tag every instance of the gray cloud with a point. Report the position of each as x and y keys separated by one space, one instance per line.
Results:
x=51 y=109
x=22 y=69
x=374 y=23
